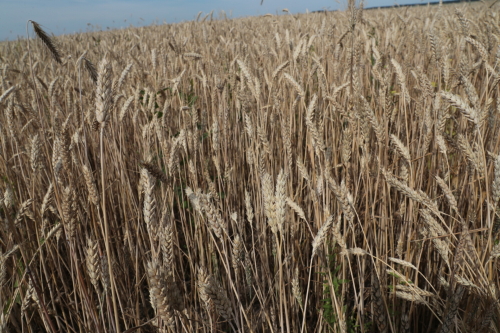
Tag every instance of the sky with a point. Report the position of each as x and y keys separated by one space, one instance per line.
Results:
x=70 y=16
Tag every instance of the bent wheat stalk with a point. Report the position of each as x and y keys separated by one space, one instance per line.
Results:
x=317 y=242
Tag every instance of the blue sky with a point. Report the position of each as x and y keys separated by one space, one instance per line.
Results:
x=69 y=16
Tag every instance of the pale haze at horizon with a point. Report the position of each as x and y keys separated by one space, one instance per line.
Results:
x=72 y=16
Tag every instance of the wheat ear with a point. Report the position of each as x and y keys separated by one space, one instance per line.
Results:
x=89 y=66
x=93 y=265
x=448 y=322
x=6 y=93
x=47 y=41
x=160 y=299
x=378 y=303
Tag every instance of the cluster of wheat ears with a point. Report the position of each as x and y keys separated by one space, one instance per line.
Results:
x=326 y=172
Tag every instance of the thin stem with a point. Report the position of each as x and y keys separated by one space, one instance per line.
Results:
x=106 y=233
x=307 y=296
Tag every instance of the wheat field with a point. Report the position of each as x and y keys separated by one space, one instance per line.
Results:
x=323 y=172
